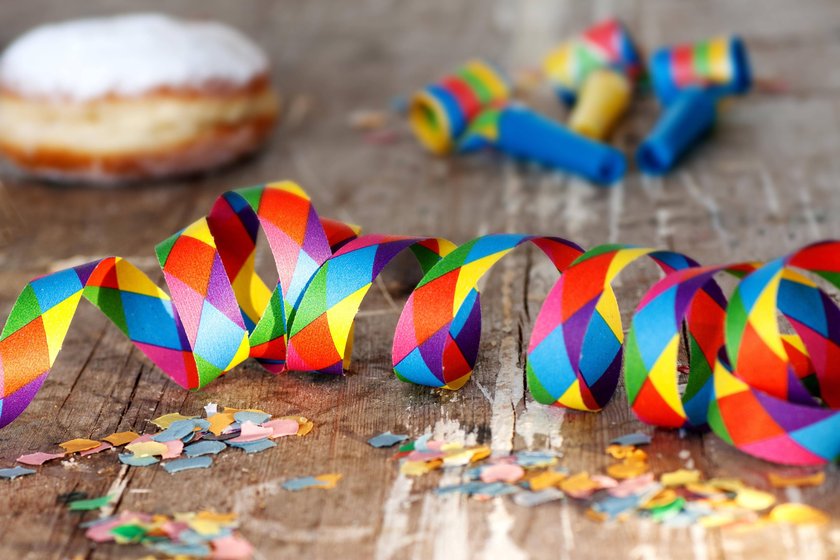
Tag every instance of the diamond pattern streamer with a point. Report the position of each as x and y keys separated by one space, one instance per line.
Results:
x=771 y=394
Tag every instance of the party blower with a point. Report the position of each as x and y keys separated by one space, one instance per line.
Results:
x=689 y=80
x=472 y=109
x=594 y=73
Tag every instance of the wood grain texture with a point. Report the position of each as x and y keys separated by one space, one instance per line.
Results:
x=767 y=183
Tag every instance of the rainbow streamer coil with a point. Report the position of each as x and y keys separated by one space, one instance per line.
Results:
x=773 y=395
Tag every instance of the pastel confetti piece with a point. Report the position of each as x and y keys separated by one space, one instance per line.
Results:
x=204 y=448
x=783 y=480
x=255 y=446
x=179 y=465
x=251 y=432
x=15 y=472
x=37 y=459
x=98 y=449
x=386 y=439
x=134 y=461
x=173 y=449
x=545 y=480
x=231 y=547
x=502 y=473
x=755 y=500
x=679 y=477
x=533 y=499
x=636 y=438
x=329 y=480
x=91 y=504
x=219 y=422
x=253 y=416
x=165 y=421
x=147 y=449
x=177 y=429
x=798 y=514
x=627 y=469
x=78 y=445
x=121 y=438
x=282 y=427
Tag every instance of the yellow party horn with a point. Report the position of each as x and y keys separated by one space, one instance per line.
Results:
x=594 y=73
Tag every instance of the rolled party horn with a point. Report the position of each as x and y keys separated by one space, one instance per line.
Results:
x=440 y=113
x=525 y=134
x=594 y=73
x=689 y=80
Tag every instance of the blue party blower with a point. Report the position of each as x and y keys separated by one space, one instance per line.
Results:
x=684 y=122
x=525 y=134
x=689 y=80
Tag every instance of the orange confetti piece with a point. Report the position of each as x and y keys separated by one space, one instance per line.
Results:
x=78 y=445
x=220 y=421
x=663 y=498
x=626 y=452
x=121 y=438
x=545 y=480
x=330 y=480
x=627 y=469
x=783 y=481
x=305 y=425
x=579 y=485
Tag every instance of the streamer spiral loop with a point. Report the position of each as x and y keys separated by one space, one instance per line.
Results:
x=772 y=395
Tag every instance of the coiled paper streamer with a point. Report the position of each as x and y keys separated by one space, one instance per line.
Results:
x=594 y=73
x=689 y=80
x=771 y=395
x=471 y=109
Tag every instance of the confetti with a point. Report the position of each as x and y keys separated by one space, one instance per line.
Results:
x=135 y=461
x=147 y=448
x=177 y=429
x=98 y=449
x=386 y=439
x=121 y=438
x=533 y=499
x=78 y=445
x=679 y=477
x=502 y=473
x=253 y=416
x=163 y=422
x=253 y=446
x=251 y=432
x=324 y=482
x=627 y=469
x=90 y=504
x=636 y=438
x=547 y=479
x=179 y=465
x=755 y=500
x=783 y=481
x=15 y=472
x=798 y=514
x=37 y=459
x=220 y=422
x=204 y=448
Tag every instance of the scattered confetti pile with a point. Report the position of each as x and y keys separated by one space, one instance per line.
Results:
x=183 y=442
x=205 y=534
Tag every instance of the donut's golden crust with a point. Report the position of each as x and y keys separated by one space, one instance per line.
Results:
x=164 y=133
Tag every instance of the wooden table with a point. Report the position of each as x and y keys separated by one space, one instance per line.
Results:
x=767 y=182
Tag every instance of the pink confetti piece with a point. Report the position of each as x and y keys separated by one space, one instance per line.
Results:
x=282 y=427
x=502 y=472
x=251 y=432
x=174 y=449
x=631 y=486
x=144 y=438
x=104 y=446
x=231 y=547
x=101 y=532
x=604 y=481
x=38 y=459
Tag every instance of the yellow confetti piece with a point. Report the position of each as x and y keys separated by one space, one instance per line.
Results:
x=754 y=500
x=798 y=514
x=625 y=451
x=679 y=477
x=717 y=519
x=596 y=515
x=663 y=498
x=330 y=480
x=220 y=421
x=783 y=481
x=224 y=518
x=305 y=425
x=79 y=444
x=147 y=448
x=627 y=469
x=418 y=468
x=121 y=438
x=480 y=453
x=166 y=420
x=545 y=480
x=727 y=484
x=706 y=490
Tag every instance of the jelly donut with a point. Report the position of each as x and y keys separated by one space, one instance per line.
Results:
x=132 y=97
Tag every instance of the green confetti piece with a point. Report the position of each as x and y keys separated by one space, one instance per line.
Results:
x=93 y=503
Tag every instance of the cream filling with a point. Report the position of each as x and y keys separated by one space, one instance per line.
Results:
x=124 y=126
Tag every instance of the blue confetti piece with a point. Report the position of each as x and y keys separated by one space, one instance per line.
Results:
x=179 y=465
x=254 y=446
x=204 y=447
x=173 y=549
x=532 y=499
x=177 y=430
x=251 y=416
x=636 y=438
x=387 y=439
x=529 y=459
x=614 y=506
x=15 y=472
x=133 y=461
x=303 y=482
